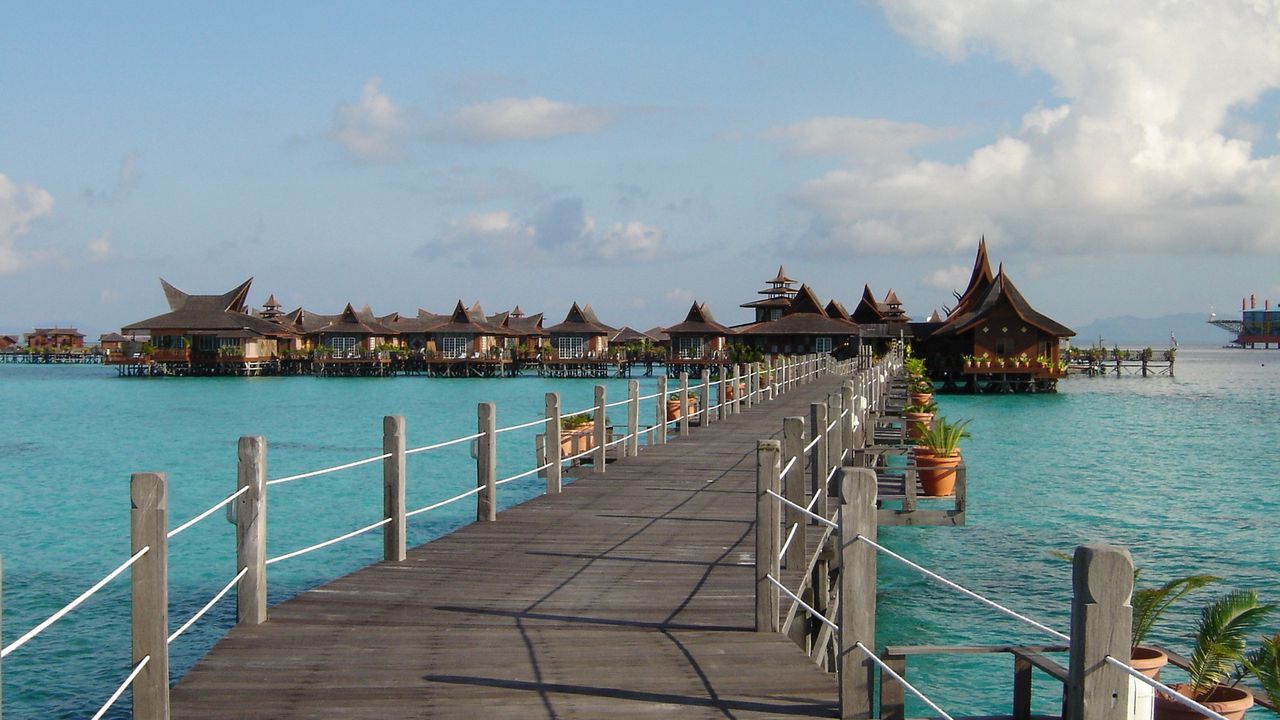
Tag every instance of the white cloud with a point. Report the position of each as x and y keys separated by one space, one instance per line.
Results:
x=375 y=129
x=859 y=139
x=1140 y=157
x=559 y=231
x=526 y=119
x=99 y=248
x=19 y=206
x=950 y=278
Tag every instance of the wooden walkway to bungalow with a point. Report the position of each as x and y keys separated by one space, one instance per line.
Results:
x=630 y=594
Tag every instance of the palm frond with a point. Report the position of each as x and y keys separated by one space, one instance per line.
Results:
x=1220 y=638
x=1264 y=663
x=1150 y=603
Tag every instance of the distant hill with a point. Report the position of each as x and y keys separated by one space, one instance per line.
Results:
x=1189 y=328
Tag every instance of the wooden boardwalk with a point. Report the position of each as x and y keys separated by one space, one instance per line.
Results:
x=630 y=594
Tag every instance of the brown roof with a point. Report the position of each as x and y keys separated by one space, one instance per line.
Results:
x=868 y=310
x=1001 y=292
x=351 y=322
x=56 y=331
x=659 y=334
x=699 y=322
x=835 y=309
x=525 y=325
x=579 y=322
x=979 y=280
x=207 y=313
x=805 y=316
x=464 y=322
x=630 y=334
x=112 y=337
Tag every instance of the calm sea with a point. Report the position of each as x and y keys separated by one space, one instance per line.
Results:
x=1181 y=470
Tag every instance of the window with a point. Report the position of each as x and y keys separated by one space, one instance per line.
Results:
x=775 y=313
x=454 y=346
x=342 y=345
x=822 y=344
x=689 y=347
x=228 y=342
x=569 y=346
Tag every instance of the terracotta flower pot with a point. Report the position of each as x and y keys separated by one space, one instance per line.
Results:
x=1148 y=661
x=1230 y=702
x=937 y=473
x=577 y=440
x=916 y=398
x=911 y=419
x=674 y=409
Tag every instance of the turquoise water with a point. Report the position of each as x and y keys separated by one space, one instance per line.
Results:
x=1182 y=471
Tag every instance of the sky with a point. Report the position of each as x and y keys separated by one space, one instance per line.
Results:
x=1120 y=157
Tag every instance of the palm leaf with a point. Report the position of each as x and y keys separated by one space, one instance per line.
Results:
x=1264 y=663
x=1150 y=603
x=1220 y=638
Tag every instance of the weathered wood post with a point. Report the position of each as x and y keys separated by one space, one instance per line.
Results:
x=684 y=404
x=793 y=489
x=149 y=583
x=551 y=444
x=818 y=465
x=739 y=390
x=601 y=431
x=857 y=591
x=393 y=482
x=846 y=422
x=632 y=445
x=753 y=383
x=704 y=397
x=768 y=456
x=487 y=463
x=1101 y=619
x=835 y=439
x=251 y=530
x=660 y=421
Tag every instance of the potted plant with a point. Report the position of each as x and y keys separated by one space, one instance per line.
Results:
x=1149 y=604
x=1218 y=657
x=675 y=408
x=576 y=434
x=969 y=361
x=1263 y=663
x=985 y=361
x=918 y=414
x=1023 y=361
x=937 y=454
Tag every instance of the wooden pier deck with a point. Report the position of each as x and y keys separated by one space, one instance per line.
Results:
x=630 y=594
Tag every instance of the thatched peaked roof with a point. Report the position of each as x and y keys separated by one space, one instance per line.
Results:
x=699 y=322
x=525 y=325
x=804 y=316
x=349 y=322
x=1001 y=293
x=836 y=310
x=468 y=321
x=629 y=335
x=581 y=323
x=868 y=310
x=207 y=314
x=979 y=280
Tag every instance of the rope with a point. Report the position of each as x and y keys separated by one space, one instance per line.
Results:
x=969 y=593
x=513 y=478
x=816 y=497
x=804 y=510
x=579 y=456
x=589 y=411
x=446 y=443
x=174 y=532
x=442 y=503
x=642 y=398
x=790 y=464
x=903 y=681
x=120 y=690
x=822 y=618
x=1164 y=690
x=618 y=403
x=195 y=618
x=543 y=421
x=327 y=543
x=832 y=425
x=74 y=603
x=812 y=444
x=335 y=468
x=790 y=536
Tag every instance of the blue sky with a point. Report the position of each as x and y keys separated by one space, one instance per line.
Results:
x=1120 y=158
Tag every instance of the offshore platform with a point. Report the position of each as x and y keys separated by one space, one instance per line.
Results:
x=1256 y=326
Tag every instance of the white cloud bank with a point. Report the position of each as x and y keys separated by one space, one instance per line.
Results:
x=375 y=129
x=19 y=206
x=532 y=118
x=560 y=231
x=1138 y=158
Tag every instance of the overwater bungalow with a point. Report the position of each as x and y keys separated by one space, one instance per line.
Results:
x=580 y=346
x=803 y=327
x=467 y=345
x=777 y=296
x=353 y=344
x=994 y=340
x=204 y=335
x=8 y=342
x=54 y=338
x=698 y=342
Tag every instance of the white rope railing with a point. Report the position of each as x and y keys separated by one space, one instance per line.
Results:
x=619 y=403
x=832 y=425
x=884 y=667
x=525 y=474
x=790 y=536
x=74 y=603
x=821 y=618
x=325 y=471
x=812 y=444
x=643 y=398
x=442 y=503
x=964 y=591
x=226 y=501
x=530 y=424
x=803 y=510
x=1164 y=689
x=209 y=605
x=816 y=497
x=790 y=464
x=444 y=444
x=327 y=543
x=123 y=686
x=589 y=411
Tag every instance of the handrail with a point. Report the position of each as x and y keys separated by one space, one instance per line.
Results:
x=439 y=445
x=525 y=474
x=176 y=531
x=540 y=421
x=796 y=598
x=442 y=503
x=196 y=618
x=327 y=543
x=123 y=686
x=902 y=681
x=821 y=520
x=325 y=471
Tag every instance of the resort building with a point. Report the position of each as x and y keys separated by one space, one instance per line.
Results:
x=777 y=296
x=581 y=335
x=352 y=335
x=467 y=334
x=699 y=337
x=8 y=342
x=803 y=327
x=53 y=338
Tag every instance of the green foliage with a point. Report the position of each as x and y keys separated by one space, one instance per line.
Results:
x=1264 y=663
x=929 y=406
x=573 y=422
x=740 y=353
x=1220 y=639
x=943 y=438
x=1149 y=604
x=914 y=367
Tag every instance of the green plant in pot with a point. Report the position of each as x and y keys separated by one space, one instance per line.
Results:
x=918 y=413
x=1263 y=662
x=1218 y=658
x=937 y=454
x=1149 y=604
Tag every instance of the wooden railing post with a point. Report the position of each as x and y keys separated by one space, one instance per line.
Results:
x=704 y=396
x=487 y=463
x=1101 y=619
x=793 y=489
x=551 y=445
x=599 y=453
x=857 y=591
x=739 y=390
x=753 y=383
x=835 y=439
x=818 y=466
x=1021 y=688
x=251 y=530
x=393 y=482
x=893 y=697
x=846 y=424
x=149 y=581
x=768 y=456
x=684 y=404
x=632 y=445
x=660 y=419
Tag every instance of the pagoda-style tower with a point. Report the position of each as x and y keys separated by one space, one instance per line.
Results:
x=271 y=309
x=892 y=308
x=777 y=296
